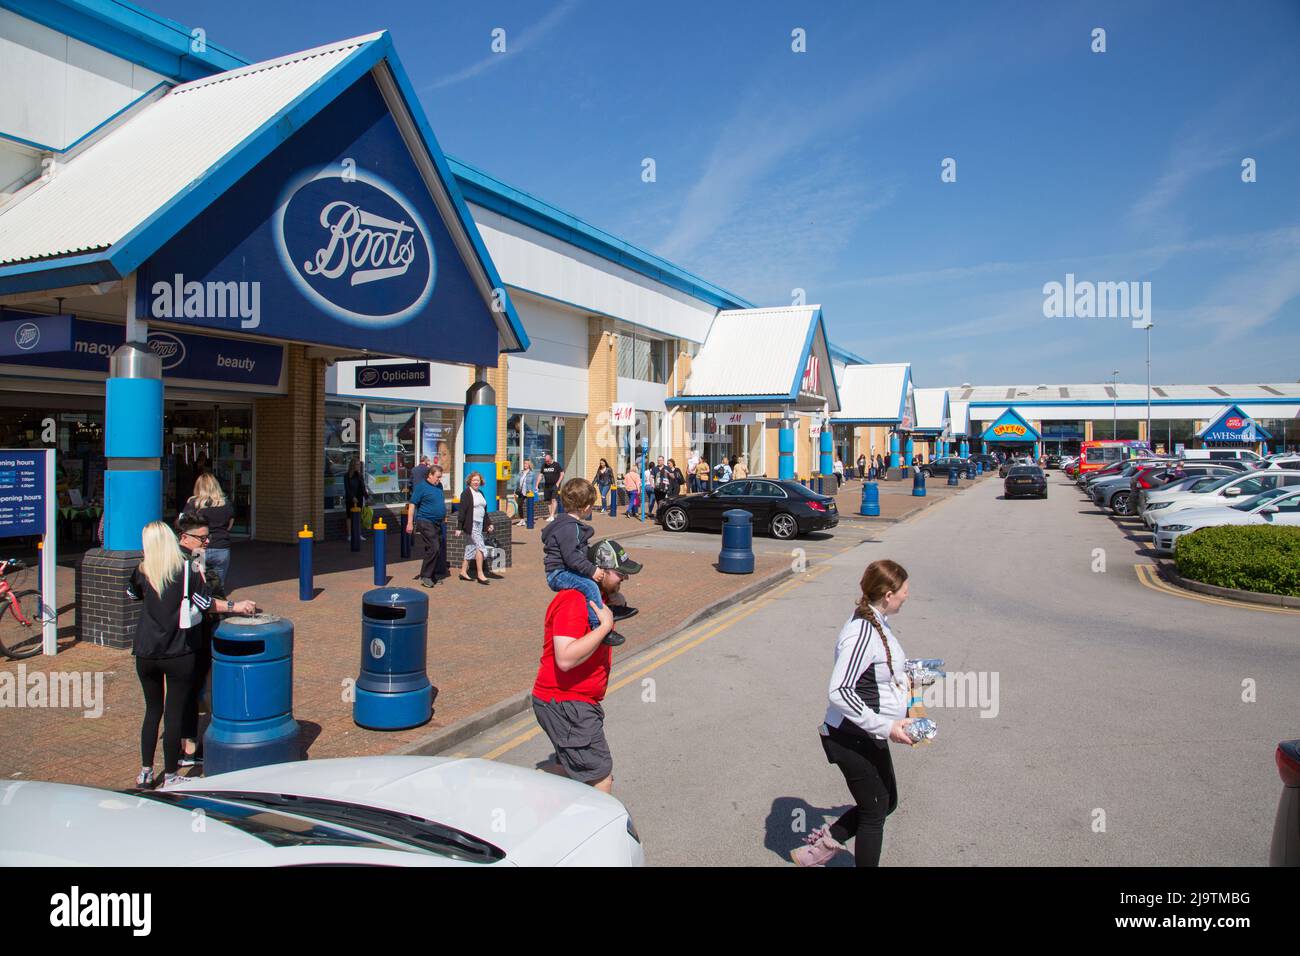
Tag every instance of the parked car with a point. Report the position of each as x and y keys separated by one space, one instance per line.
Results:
x=1225 y=491
x=360 y=811
x=1161 y=477
x=940 y=467
x=1279 y=506
x=784 y=509
x=1285 y=848
x=1289 y=462
x=1053 y=461
x=1025 y=480
x=987 y=462
x=1223 y=454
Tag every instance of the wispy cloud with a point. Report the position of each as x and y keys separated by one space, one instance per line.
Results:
x=515 y=45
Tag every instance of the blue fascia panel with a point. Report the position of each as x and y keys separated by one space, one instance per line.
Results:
x=849 y=358
x=130 y=32
x=484 y=190
x=450 y=184
x=1011 y=403
x=733 y=399
x=56 y=274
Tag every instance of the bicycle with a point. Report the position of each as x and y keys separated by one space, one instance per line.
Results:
x=21 y=616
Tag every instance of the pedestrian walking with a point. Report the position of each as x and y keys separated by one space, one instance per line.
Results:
x=209 y=504
x=676 y=480
x=603 y=481
x=573 y=674
x=420 y=473
x=552 y=475
x=739 y=468
x=880 y=466
x=692 y=469
x=722 y=472
x=473 y=522
x=702 y=472
x=354 y=488
x=862 y=466
x=174 y=597
x=648 y=486
x=527 y=488
x=426 y=517
x=839 y=472
x=868 y=698
x=632 y=485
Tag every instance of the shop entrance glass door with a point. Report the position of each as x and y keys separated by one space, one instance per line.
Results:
x=201 y=437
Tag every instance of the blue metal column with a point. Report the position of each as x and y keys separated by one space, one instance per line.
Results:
x=893 y=449
x=908 y=451
x=133 y=439
x=785 y=445
x=965 y=449
x=827 y=466
x=481 y=434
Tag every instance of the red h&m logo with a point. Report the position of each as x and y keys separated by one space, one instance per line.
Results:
x=811 y=377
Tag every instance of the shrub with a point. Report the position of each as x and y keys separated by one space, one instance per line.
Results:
x=1262 y=558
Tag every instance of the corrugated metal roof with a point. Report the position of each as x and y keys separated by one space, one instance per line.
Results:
x=929 y=407
x=753 y=352
x=873 y=391
x=117 y=183
x=959 y=415
x=1102 y=393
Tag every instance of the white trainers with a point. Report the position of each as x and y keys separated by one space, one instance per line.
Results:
x=819 y=847
x=145 y=777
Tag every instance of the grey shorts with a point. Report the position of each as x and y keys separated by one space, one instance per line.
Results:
x=576 y=730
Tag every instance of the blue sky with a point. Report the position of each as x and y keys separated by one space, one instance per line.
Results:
x=820 y=170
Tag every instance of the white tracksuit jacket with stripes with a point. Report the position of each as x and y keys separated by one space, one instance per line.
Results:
x=863 y=690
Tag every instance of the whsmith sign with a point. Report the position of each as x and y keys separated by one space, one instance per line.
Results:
x=334 y=239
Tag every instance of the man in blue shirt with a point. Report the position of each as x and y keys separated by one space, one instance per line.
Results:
x=426 y=514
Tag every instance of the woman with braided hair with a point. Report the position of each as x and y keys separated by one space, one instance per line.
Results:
x=868 y=698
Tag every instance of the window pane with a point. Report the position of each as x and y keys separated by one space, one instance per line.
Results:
x=342 y=444
x=390 y=451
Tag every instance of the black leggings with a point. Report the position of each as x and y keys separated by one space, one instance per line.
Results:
x=198 y=682
x=869 y=772
x=179 y=675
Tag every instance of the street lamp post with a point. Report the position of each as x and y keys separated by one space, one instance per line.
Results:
x=1114 y=407
x=1150 y=441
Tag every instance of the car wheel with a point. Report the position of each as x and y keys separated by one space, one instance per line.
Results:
x=1119 y=503
x=784 y=527
x=676 y=519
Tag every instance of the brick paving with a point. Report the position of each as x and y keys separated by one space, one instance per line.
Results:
x=483 y=647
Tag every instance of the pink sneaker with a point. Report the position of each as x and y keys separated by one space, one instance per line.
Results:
x=819 y=846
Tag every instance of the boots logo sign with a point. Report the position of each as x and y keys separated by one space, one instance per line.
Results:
x=168 y=348
x=357 y=248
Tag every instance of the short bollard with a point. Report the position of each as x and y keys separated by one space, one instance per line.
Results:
x=393 y=691
x=305 y=591
x=737 y=555
x=530 y=508
x=820 y=488
x=970 y=469
x=381 y=552
x=918 y=484
x=979 y=468
x=354 y=528
x=252 y=695
x=953 y=477
x=870 y=500
x=404 y=543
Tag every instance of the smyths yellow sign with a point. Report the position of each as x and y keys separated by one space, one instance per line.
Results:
x=1018 y=430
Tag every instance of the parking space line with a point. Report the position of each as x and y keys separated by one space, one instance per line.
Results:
x=677 y=646
x=1149 y=577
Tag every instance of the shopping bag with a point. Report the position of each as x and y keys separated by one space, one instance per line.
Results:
x=367 y=517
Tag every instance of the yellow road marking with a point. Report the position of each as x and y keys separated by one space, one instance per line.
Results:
x=1148 y=577
x=671 y=649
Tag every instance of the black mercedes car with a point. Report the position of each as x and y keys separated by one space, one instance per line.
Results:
x=940 y=467
x=783 y=509
x=1025 y=480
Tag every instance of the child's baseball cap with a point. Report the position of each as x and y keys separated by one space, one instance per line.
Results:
x=612 y=556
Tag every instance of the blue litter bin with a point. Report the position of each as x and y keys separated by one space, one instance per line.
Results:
x=393 y=691
x=870 y=500
x=954 y=477
x=252 y=695
x=918 y=484
x=970 y=469
x=737 y=556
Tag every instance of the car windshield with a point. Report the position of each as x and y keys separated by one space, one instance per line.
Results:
x=289 y=820
x=1025 y=470
x=1264 y=497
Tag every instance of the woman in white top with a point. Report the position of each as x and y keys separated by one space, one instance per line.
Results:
x=867 y=708
x=473 y=519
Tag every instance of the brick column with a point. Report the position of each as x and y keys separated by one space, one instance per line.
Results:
x=499 y=379
x=602 y=393
x=289 y=453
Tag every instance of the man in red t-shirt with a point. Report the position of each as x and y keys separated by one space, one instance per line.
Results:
x=574 y=673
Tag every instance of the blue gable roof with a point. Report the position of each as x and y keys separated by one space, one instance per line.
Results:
x=1010 y=426
x=1234 y=425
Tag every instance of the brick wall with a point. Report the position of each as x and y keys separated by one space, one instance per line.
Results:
x=602 y=393
x=105 y=615
x=290 y=453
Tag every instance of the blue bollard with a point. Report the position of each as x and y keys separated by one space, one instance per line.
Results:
x=737 y=555
x=970 y=469
x=918 y=484
x=953 y=477
x=381 y=553
x=252 y=696
x=979 y=468
x=393 y=691
x=820 y=489
x=404 y=543
x=870 y=500
x=305 y=591
x=354 y=528
x=530 y=508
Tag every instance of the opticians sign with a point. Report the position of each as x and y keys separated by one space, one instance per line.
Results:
x=400 y=375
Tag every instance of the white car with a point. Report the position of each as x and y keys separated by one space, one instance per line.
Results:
x=1280 y=506
x=1225 y=491
x=380 y=811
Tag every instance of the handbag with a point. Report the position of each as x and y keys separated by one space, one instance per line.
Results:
x=191 y=616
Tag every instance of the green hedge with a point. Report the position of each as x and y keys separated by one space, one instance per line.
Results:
x=1260 y=558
